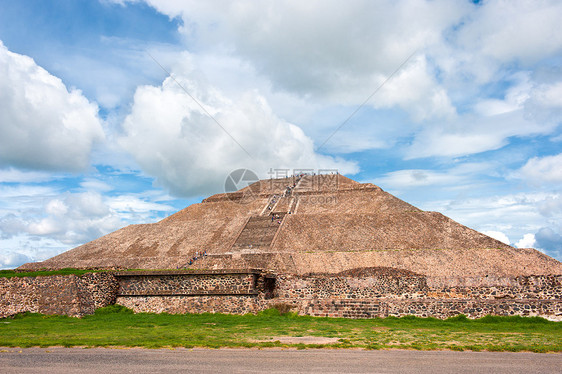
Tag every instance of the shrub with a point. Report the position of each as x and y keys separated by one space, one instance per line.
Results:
x=283 y=308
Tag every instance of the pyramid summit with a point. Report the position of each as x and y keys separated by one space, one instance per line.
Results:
x=305 y=224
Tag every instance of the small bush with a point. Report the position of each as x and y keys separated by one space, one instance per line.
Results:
x=283 y=308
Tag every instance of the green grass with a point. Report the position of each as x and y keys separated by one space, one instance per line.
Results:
x=118 y=326
x=70 y=271
x=65 y=271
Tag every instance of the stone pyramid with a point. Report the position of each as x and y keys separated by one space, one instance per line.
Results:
x=307 y=224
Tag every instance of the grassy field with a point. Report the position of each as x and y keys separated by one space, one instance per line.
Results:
x=118 y=326
x=65 y=271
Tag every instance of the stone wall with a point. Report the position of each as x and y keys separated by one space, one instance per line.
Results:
x=323 y=287
x=220 y=291
x=418 y=287
x=249 y=291
x=382 y=296
x=181 y=283
x=66 y=295
x=239 y=304
x=437 y=308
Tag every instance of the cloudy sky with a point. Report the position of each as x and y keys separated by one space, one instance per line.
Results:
x=115 y=112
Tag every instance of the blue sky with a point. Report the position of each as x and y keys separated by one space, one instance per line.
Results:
x=95 y=134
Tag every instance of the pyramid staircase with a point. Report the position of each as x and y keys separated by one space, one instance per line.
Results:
x=258 y=232
x=283 y=205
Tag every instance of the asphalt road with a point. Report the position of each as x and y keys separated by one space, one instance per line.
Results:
x=100 y=360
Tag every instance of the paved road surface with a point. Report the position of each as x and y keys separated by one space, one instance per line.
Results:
x=107 y=361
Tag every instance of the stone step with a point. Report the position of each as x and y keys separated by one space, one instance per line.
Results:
x=283 y=205
x=258 y=233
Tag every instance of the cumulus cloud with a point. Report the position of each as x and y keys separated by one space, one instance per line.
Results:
x=327 y=49
x=43 y=125
x=173 y=139
x=330 y=53
x=498 y=235
x=546 y=169
x=527 y=241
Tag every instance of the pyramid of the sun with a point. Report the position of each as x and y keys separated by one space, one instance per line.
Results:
x=325 y=224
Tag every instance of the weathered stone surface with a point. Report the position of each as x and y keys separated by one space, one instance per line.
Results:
x=240 y=304
x=66 y=295
x=369 y=308
x=418 y=287
x=358 y=294
x=166 y=284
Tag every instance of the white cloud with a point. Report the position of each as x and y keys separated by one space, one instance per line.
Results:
x=12 y=260
x=551 y=206
x=539 y=170
x=414 y=178
x=475 y=134
x=549 y=95
x=498 y=235
x=416 y=91
x=418 y=184
x=20 y=249
x=514 y=97
x=340 y=52
x=70 y=219
x=473 y=85
x=39 y=222
x=527 y=241
x=42 y=124
x=12 y=175
x=92 y=184
x=545 y=102
x=56 y=207
x=528 y=30
x=328 y=53
x=127 y=204
x=8 y=193
x=512 y=214
x=174 y=140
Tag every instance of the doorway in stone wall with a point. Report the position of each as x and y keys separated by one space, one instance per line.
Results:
x=269 y=287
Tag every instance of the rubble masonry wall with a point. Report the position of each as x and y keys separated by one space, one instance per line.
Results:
x=241 y=292
x=70 y=295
